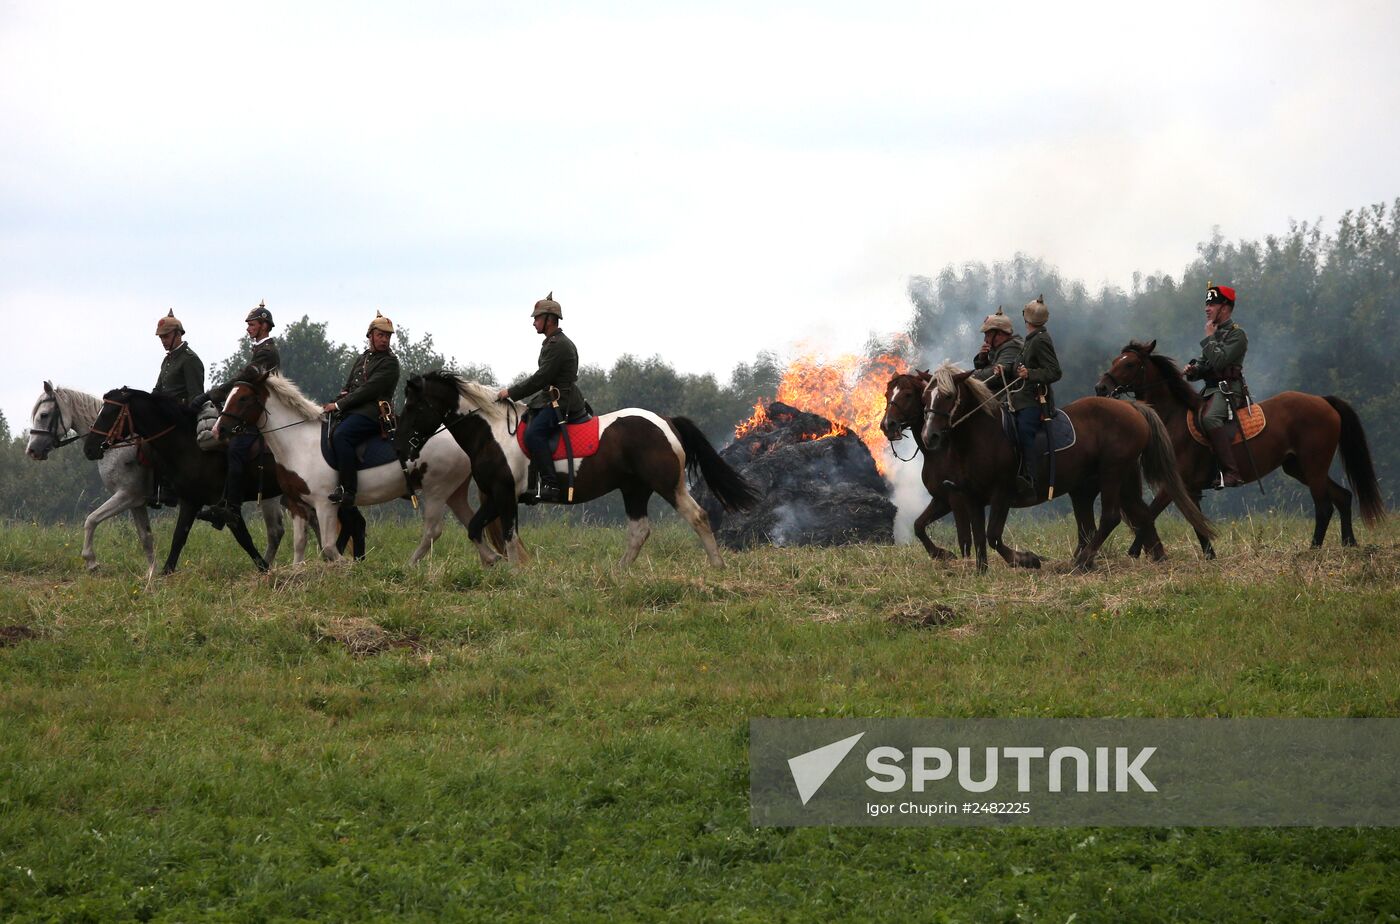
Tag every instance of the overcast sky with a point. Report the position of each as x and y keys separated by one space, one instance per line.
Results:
x=698 y=180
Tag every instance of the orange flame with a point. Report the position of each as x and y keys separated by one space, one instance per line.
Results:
x=849 y=391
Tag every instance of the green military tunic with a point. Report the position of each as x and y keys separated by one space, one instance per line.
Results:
x=1043 y=367
x=1007 y=356
x=373 y=378
x=265 y=359
x=181 y=374
x=1221 y=360
x=559 y=368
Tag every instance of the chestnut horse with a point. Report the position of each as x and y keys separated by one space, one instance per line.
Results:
x=1116 y=444
x=640 y=453
x=1301 y=433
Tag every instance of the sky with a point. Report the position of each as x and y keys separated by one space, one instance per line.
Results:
x=700 y=181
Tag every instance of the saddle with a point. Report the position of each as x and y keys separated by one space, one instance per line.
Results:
x=1251 y=424
x=372 y=453
x=1060 y=428
x=583 y=437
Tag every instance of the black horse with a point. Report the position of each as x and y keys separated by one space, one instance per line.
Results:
x=163 y=429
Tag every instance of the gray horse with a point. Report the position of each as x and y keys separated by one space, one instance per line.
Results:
x=60 y=411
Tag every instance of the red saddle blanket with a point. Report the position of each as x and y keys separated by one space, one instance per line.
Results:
x=582 y=436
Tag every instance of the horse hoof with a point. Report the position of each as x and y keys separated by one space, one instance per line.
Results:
x=92 y=566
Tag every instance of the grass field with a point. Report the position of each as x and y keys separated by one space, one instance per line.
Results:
x=565 y=740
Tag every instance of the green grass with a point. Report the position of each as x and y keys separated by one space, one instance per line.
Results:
x=567 y=740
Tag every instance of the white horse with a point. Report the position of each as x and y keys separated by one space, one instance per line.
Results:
x=291 y=425
x=60 y=411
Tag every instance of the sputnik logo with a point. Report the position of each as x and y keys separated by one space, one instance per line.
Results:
x=810 y=770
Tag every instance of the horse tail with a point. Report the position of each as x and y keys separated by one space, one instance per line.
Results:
x=727 y=485
x=1159 y=465
x=1356 y=462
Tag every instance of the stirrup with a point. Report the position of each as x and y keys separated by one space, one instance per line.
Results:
x=341 y=497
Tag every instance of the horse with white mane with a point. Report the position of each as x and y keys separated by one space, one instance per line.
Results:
x=291 y=425
x=60 y=411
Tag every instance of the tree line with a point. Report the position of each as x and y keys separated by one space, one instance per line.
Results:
x=1318 y=305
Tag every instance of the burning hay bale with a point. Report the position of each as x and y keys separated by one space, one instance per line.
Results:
x=817 y=482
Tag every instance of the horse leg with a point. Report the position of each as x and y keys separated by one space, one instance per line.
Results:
x=1110 y=489
x=142 y=519
x=699 y=521
x=239 y=527
x=1138 y=517
x=328 y=515
x=299 y=524
x=1341 y=499
x=1083 y=502
x=977 y=514
x=183 y=522
x=1207 y=544
x=271 y=508
x=110 y=508
x=434 y=509
x=996 y=522
x=634 y=499
x=937 y=507
x=477 y=527
x=1318 y=484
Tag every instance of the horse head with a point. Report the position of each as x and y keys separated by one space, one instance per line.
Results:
x=903 y=403
x=46 y=425
x=942 y=397
x=1128 y=373
x=112 y=426
x=428 y=400
x=246 y=404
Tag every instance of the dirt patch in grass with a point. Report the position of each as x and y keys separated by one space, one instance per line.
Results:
x=13 y=635
x=362 y=637
x=930 y=616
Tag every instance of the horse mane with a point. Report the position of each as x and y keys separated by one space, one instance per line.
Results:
x=481 y=398
x=79 y=409
x=1176 y=383
x=286 y=390
x=942 y=381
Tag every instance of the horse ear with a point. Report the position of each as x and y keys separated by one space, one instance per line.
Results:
x=961 y=377
x=1152 y=346
x=48 y=387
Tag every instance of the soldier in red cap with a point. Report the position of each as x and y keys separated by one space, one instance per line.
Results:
x=1221 y=367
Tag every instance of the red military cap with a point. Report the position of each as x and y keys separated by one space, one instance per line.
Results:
x=1218 y=295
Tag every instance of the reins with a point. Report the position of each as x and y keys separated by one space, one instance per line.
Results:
x=123 y=429
x=57 y=426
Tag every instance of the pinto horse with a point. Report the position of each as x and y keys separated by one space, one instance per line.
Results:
x=1302 y=433
x=904 y=410
x=291 y=424
x=164 y=428
x=639 y=453
x=1116 y=443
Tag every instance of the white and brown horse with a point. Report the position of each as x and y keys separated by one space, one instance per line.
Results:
x=291 y=425
x=640 y=453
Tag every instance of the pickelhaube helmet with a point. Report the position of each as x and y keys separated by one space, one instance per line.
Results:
x=998 y=321
x=169 y=325
x=260 y=313
x=548 y=305
x=1035 y=312
x=380 y=323
x=1219 y=295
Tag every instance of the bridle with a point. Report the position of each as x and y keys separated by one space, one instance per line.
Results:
x=1132 y=388
x=450 y=418
x=239 y=424
x=56 y=425
x=902 y=428
x=122 y=432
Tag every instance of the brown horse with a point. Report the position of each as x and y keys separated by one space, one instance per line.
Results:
x=1116 y=444
x=904 y=410
x=1302 y=433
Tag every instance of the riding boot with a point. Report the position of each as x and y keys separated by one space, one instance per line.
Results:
x=550 y=491
x=344 y=494
x=230 y=506
x=1220 y=443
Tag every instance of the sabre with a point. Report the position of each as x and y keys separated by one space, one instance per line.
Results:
x=1248 y=450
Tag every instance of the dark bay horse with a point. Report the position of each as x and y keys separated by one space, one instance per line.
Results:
x=164 y=429
x=1117 y=442
x=1302 y=433
x=904 y=409
x=639 y=453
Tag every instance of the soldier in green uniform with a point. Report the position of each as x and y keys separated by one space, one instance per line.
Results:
x=996 y=362
x=1221 y=367
x=373 y=377
x=1039 y=368
x=181 y=377
x=181 y=372
x=265 y=360
x=558 y=370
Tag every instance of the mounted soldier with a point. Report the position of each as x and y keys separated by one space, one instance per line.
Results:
x=368 y=391
x=181 y=377
x=554 y=397
x=1038 y=369
x=996 y=362
x=1221 y=367
x=265 y=360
